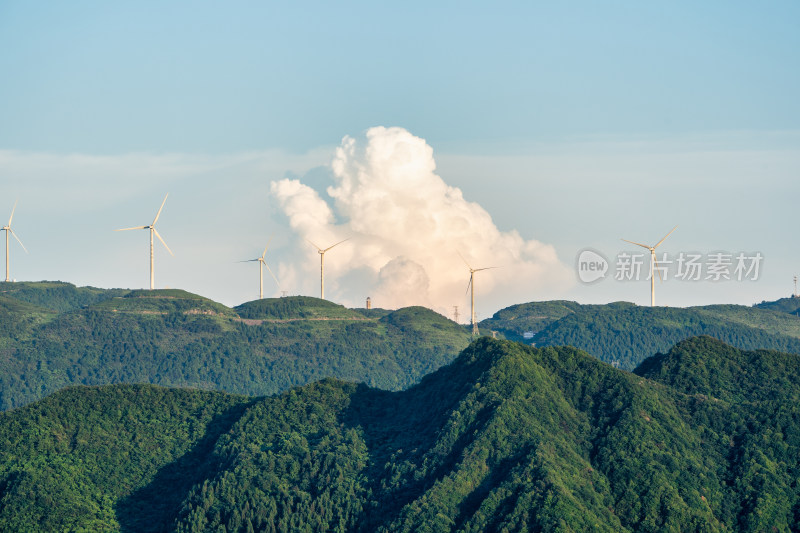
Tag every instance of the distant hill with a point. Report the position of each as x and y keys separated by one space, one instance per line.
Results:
x=506 y=438
x=163 y=301
x=515 y=321
x=56 y=295
x=625 y=334
x=789 y=305
x=175 y=338
x=295 y=307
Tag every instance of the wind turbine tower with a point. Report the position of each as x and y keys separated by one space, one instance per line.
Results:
x=653 y=265
x=471 y=285
x=795 y=284
x=261 y=264
x=322 y=265
x=153 y=231
x=9 y=231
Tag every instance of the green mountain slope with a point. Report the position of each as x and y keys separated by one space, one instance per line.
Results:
x=163 y=301
x=56 y=295
x=625 y=334
x=175 y=338
x=531 y=317
x=295 y=308
x=506 y=438
x=78 y=460
x=789 y=305
x=18 y=320
x=746 y=403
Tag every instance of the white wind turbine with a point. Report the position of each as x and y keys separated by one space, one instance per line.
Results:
x=471 y=285
x=653 y=264
x=261 y=264
x=322 y=265
x=9 y=231
x=153 y=231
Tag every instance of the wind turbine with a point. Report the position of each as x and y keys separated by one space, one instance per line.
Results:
x=261 y=265
x=322 y=265
x=653 y=265
x=471 y=284
x=9 y=231
x=153 y=231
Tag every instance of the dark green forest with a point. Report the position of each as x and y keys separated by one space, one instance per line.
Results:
x=626 y=334
x=704 y=437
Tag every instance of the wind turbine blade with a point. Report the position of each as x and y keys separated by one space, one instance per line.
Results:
x=162 y=242
x=665 y=237
x=248 y=260
x=266 y=247
x=314 y=245
x=337 y=244
x=159 y=211
x=126 y=229
x=637 y=243
x=484 y=268
x=12 y=212
x=271 y=274
x=469 y=284
x=465 y=261
x=19 y=241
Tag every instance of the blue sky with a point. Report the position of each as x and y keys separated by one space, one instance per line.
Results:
x=572 y=123
x=203 y=77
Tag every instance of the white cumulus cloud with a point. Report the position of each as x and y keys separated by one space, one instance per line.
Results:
x=406 y=228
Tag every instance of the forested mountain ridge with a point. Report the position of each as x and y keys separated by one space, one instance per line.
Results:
x=506 y=438
x=175 y=338
x=626 y=334
x=54 y=334
x=789 y=305
x=57 y=296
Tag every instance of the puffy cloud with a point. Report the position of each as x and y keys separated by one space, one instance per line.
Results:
x=406 y=229
x=307 y=212
x=402 y=282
